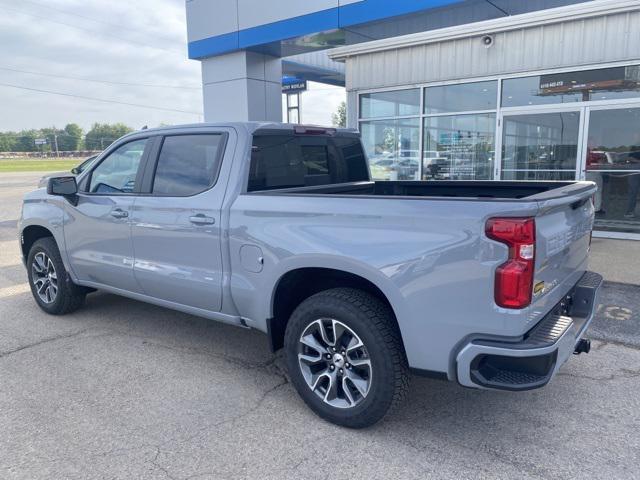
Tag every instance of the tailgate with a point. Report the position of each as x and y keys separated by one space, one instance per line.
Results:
x=563 y=237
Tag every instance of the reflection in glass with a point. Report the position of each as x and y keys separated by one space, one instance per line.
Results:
x=613 y=162
x=117 y=173
x=390 y=104
x=526 y=91
x=459 y=147
x=462 y=97
x=540 y=146
x=392 y=147
x=187 y=164
x=581 y=86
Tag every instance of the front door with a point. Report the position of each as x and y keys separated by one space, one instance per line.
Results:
x=97 y=231
x=176 y=224
x=540 y=144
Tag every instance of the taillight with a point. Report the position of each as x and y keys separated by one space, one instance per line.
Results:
x=514 y=278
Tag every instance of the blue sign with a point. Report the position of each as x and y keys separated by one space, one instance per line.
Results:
x=293 y=85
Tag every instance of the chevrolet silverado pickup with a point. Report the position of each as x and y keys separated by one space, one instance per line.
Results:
x=280 y=228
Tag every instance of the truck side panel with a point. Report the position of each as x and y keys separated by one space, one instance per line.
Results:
x=429 y=257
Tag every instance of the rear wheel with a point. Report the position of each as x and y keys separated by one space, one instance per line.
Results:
x=345 y=357
x=51 y=285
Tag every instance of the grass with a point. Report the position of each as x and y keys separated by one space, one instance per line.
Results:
x=38 y=164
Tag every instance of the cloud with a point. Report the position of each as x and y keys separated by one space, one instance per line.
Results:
x=320 y=102
x=129 y=42
x=135 y=42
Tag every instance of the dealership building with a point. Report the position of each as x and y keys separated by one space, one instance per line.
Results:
x=448 y=90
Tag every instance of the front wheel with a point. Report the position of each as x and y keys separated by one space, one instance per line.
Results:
x=345 y=357
x=51 y=285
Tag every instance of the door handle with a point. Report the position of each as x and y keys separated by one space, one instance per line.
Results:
x=201 y=219
x=119 y=213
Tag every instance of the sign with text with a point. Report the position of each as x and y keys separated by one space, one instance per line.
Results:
x=295 y=87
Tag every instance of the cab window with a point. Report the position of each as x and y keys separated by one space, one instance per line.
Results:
x=188 y=164
x=291 y=160
x=116 y=174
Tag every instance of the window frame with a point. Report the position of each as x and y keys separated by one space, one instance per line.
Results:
x=85 y=181
x=425 y=104
x=419 y=106
x=151 y=167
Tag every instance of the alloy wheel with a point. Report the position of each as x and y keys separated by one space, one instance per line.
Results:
x=44 y=278
x=335 y=363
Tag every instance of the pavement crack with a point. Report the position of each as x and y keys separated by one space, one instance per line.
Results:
x=159 y=448
x=154 y=462
x=605 y=341
x=622 y=373
x=628 y=373
x=240 y=362
x=269 y=366
x=42 y=342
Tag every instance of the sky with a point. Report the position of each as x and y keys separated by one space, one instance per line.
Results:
x=137 y=52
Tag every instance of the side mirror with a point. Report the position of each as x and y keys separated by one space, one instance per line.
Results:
x=63 y=186
x=76 y=171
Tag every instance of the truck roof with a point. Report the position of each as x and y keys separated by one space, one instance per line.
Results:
x=249 y=127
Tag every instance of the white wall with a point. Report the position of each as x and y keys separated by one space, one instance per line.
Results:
x=242 y=86
x=588 y=41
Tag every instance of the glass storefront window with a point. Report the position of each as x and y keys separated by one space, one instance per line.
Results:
x=459 y=147
x=393 y=148
x=397 y=103
x=460 y=98
x=540 y=139
x=527 y=91
x=613 y=162
x=581 y=86
x=541 y=146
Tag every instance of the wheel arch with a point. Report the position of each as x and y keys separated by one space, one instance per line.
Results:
x=30 y=235
x=298 y=284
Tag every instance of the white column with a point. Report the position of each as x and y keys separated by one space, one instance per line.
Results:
x=242 y=86
x=352 y=109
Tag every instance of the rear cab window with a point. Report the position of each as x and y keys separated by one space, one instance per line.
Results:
x=282 y=159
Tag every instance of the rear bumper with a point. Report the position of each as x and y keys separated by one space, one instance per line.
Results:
x=531 y=362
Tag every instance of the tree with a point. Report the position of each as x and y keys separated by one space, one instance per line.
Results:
x=70 y=138
x=102 y=135
x=7 y=141
x=339 y=117
x=26 y=141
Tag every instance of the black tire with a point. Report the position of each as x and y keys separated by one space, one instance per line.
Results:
x=69 y=296
x=373 y=322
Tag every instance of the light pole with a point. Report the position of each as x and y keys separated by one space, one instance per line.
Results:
x=55 y=141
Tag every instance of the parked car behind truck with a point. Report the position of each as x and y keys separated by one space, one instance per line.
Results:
x=279 y=228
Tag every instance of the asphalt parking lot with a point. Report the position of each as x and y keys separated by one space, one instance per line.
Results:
x=125 y=390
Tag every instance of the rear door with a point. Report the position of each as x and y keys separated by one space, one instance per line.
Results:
x=176 y=222
x=98 y=231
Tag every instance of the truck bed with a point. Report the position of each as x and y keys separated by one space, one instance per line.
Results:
x=449 y=189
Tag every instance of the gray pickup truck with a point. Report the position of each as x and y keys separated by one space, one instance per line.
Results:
x=280 y=228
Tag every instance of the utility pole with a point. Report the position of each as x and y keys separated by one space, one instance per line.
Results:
x=55 y=141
